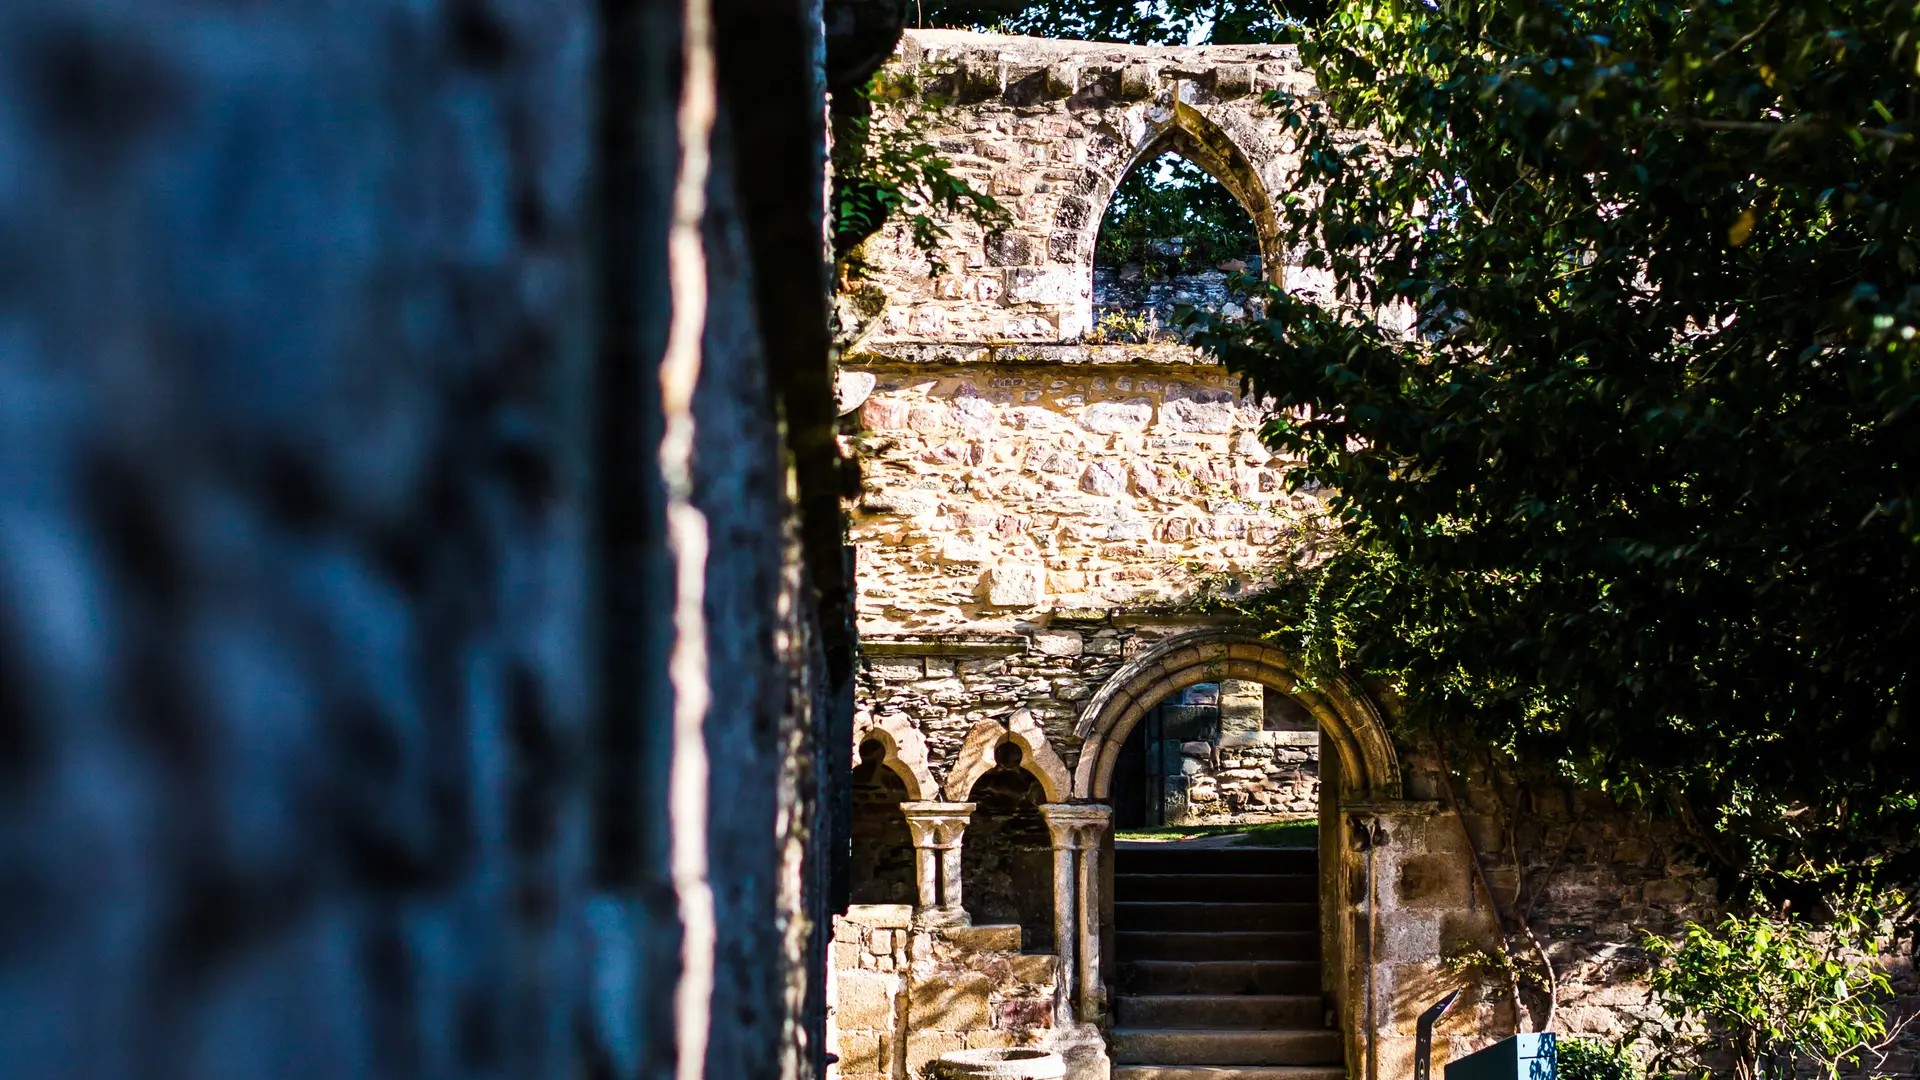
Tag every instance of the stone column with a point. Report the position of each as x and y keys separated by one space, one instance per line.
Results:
x=937 y=828
x=1077 y=830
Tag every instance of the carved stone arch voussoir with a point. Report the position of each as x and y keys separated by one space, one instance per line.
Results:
x=1354 y=728
x=906 y=754
x=1215 y=146
x=1037 y=756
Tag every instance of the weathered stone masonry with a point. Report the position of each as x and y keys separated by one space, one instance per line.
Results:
x=1034 y=510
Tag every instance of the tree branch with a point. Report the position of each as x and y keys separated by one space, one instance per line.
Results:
x=1751 y=36
x=1772 y=127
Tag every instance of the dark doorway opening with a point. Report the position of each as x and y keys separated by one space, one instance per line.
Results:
x=1006 y=864
x=880 y=869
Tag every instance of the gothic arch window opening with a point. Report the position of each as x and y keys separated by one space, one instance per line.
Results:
x=1172 y=236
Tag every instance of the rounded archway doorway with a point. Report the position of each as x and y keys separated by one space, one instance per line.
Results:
x=1249 y=951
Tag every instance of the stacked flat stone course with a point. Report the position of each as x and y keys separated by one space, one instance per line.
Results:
x=994 y=492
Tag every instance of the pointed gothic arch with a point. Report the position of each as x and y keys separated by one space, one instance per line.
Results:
x=1175 y=126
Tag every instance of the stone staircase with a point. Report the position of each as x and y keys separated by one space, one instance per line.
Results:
x=1218 y=953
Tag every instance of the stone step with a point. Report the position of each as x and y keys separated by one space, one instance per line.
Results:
x=1150 y=858
x=1189 y=1046
x=1291 y=1011
x=1217 y=945
x=1187 y=915
x=1152 y=977
x=1293 y=887
x=1229 y=1072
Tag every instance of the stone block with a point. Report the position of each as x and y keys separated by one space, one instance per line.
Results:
x=1022 y=1014
x=1408 y=938
x=1233 y=80
x=1027 y=285
x=1003 y=938
x=1058 y=643
x=896 y=669
x=1015 y=585
x=957 y=1002
x=1107 y=479
x=1117 y=417
x=991 y=1040
x=881 y=916
x=1243 y=706
x=865 y=999
x=1430 y=881
x=1035 y=968
x=925 y=1046
x=843 y=955
x=1008 y=249
x=959 y=551
x=862 y=1053
x=1208 y=417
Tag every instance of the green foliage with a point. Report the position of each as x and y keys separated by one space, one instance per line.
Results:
x=1635 y=493
x=894 y=169
x=1165 y=22
x=1771 y=994
x=1171 y=217
x=1593 y=1059
x=1124 y=328
x=1497 y=972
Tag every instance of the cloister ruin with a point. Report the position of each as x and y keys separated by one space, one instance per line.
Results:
x=1036 y=513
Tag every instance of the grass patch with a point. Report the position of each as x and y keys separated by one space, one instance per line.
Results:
x=1281 y=834
x=1270 y=834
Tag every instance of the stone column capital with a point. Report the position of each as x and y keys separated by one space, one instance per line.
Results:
x=1076 y=825
x=937 y=825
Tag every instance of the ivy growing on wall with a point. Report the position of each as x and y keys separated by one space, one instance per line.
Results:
x=893 y=169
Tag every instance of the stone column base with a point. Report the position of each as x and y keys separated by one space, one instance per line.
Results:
x=940 y=917
x=1084 y=1049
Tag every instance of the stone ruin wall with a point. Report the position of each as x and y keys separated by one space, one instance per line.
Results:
x=1263 y=764
x=1035 y=509
x=1115 y=478
x=901 y=996
x=1050 y=128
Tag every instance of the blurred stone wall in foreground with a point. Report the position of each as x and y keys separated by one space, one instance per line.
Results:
x=421 y=634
